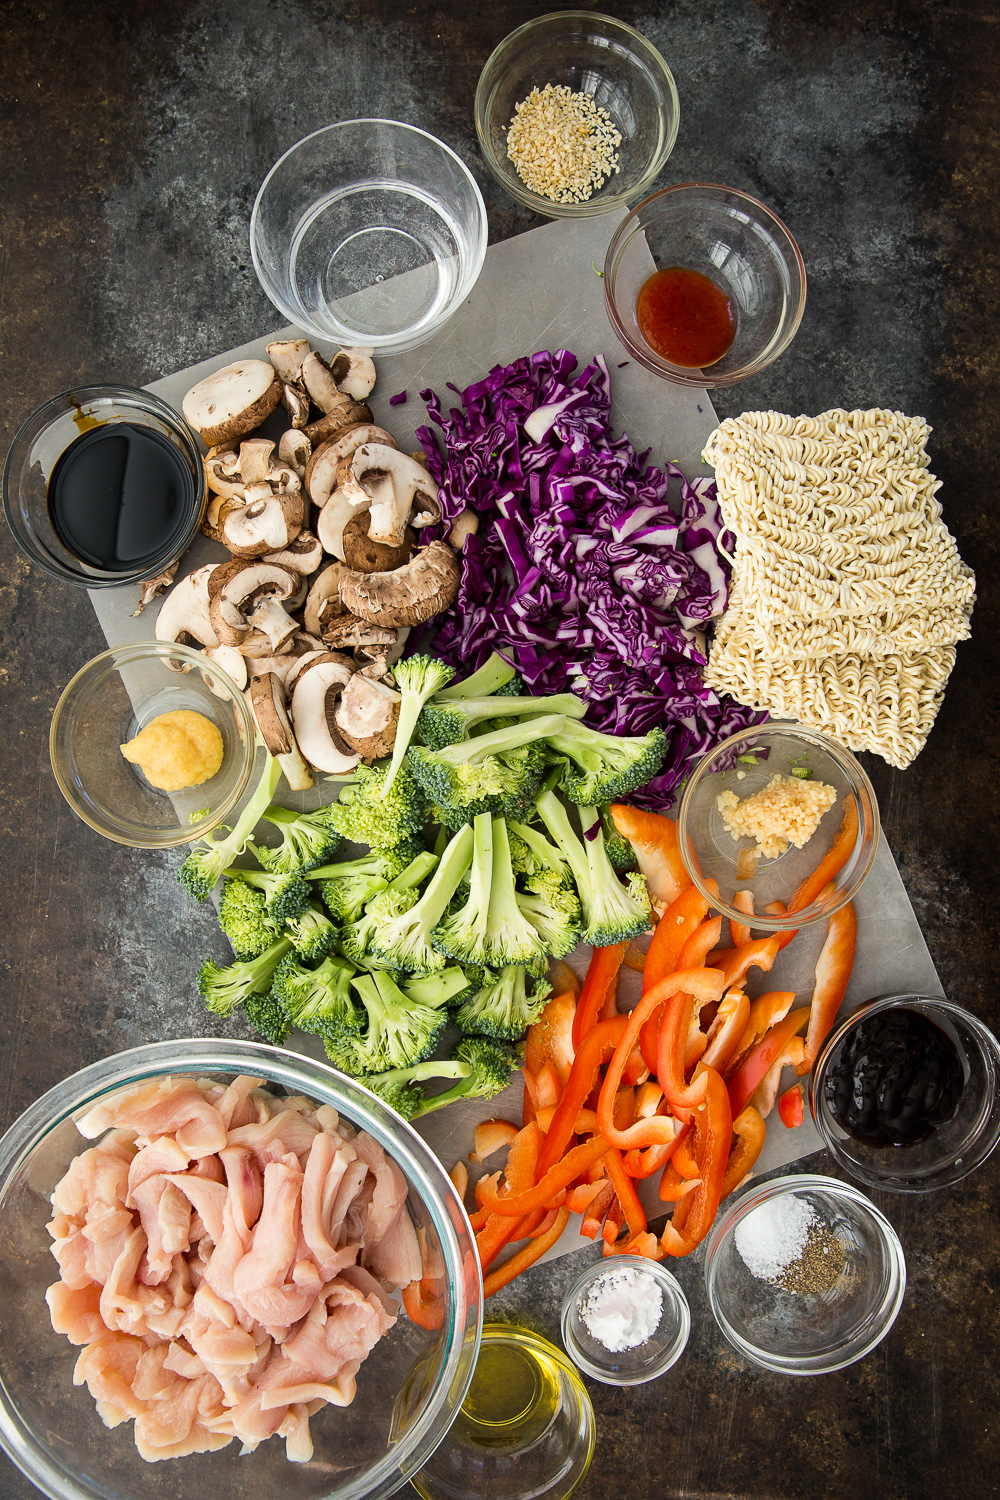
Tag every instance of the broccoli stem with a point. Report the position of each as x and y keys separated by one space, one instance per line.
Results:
x=453 y=864
x=499 y=740
x=494 y=673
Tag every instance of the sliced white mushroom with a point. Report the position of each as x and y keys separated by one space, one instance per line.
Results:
x=313 y=706
x=331 y=522
x=265 y=523
x=323 y=602
x=185 y=616
x=317 y=377
x=287 y=355
x=232 y=401
x=248 y=596
x=403 y=481
x=321 y=471
x=408 y=595
x=350 y=631
x=302 y=556
x=232 y=662
x=231 y=474
x=367 y=715
x=465 y=524
x=152 y=588
x=354 y=372
x=296 y=404
x=344 y=414
x=295 y=451
x=266 y=696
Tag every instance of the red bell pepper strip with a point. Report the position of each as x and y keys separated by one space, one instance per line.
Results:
x=550 y=1039
x=740 y=932
x=643 y=1164
x=759 y=954
x=597 y=1212
x=646 y=1245
x=459 y=1175
x=764 y=1012
x=635 y=957
x=579 y=1199
x=625 y=1192
x=562 y=1175
x=594 y=1051
x=491 y=1136
x=726 y=1030
x=702 y=984
x=700 y=944
x=765 y=1095
x=684 y=1161
x=563 y=980
x=654 y=839
x=602 y=977
x=674 y=1187
x=544 y=1224
x=519 y=1173
x=753 y=1071
x=713 y=1133
x=681 y=918
x=790 y=1107
x=424 y=1303
x=833 y=973
x=673 y=1037
x=526 y=1257
x=749 y=1130
x=584 y=1124
x=831 y=864
x=613 y=1222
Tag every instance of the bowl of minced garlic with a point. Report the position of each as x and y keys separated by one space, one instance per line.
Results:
x=147 y=750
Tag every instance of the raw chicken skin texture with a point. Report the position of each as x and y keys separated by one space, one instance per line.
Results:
x=227 y=1260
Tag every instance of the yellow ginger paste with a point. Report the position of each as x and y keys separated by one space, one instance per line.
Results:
x=176 y=750
x=786 y=811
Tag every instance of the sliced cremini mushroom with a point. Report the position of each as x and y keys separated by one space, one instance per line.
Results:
x=351 y=630
x=264 y=523
x=367 y=715
x=152 y=588
x=233 y=662
x=321 y=471
x=465 y=524
x=344 y=414
x=354 y=372
x=346 y=663
x=408 y=595
x=317 y=377
x=287 y=355
x=366 y=556
x=323 y=602
x=296 y=404
x=313 y=705
x=247 y=596
x=185 y=618
x=377 y=661
x=392 y=482
x=229 y=473
x=232 y=401
x=302 y=556
x=266 y=696
x=332 y=519
x=295 y=451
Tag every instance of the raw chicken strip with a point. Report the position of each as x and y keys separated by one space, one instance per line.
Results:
x=172 y=1105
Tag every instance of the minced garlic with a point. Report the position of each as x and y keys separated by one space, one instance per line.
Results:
x=786 y=811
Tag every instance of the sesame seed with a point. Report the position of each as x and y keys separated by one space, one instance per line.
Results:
x=562 y=144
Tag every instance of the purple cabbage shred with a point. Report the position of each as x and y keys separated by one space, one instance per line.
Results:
x=399 y=399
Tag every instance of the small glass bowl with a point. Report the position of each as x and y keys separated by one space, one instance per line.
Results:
x=660 y=1351
x=107 y=703
x=409 y=1388
x=848 y=1311
x=952 y=1151
x=41 y=441
x=591 y=54
x=733 y=240
x=710 y=853
x=370 y=233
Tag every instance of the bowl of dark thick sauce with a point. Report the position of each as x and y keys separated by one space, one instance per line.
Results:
x=905 y=1093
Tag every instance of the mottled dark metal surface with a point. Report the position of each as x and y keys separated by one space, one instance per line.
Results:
x=133 y=135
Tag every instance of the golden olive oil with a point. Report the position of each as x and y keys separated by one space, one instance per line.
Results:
x=514 y=1394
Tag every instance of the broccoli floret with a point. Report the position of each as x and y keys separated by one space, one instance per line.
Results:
x=512 y=689
x=489 y=929
x=503 y=1008
x=317 y=1000
x=616 y=845
x=400 y=1030
x=395 y=898
x=497 y=772
x=490 y=1062
x=225 y=987
x=445 y=987
x=400 y=1087
x=492 y=677
x=285 y=896
x=209 y=857
x=417 y=679
x=612 y=913
x=313 y=934
x=403 y=940
x=367 y=814
x=348 y=887
x=543 y=855
x=553 y=909
x=443 y=724
x=607 y=766
x=307 y=839
x=266 y=1016
x=243 y=919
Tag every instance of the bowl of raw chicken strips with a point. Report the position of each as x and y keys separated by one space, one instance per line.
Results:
x=227 y=1271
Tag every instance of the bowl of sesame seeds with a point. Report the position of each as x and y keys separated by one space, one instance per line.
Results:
x=576 y=114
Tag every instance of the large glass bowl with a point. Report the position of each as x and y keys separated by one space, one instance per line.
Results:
x=369 y=232
x=735 y=241
x=592 y=54
x=409 y=1389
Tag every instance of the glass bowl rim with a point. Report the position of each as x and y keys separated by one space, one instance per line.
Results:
x=972 y=1159
x=123 y=655
x=512 y=184
x=700 y=379
x=878 y=1323
x=302 y=1074
x=385 y=344
x=855 y=773
x=673 y=1291
x=77 y=396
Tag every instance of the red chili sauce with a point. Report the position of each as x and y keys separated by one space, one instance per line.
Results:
x=684 y=317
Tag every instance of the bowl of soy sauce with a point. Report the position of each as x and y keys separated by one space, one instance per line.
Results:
x=906 y=1093
x=103 y=486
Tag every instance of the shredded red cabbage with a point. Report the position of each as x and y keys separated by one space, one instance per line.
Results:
x=582 y=573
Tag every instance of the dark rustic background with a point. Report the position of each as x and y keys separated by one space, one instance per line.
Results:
x=134 y=134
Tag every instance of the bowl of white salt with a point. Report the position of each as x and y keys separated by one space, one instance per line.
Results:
x=804 y=1275
x=627 y=1322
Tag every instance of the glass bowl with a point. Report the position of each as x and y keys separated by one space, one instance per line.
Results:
x=646 y=1361
x=526 y=1429
x=591 y=54
x=849 y=1283
x=744 y=764
x=953 y=1150
x=733 y=240
x=107 y=703
x=369 y=232
x=42 y=440
x=409 y=1388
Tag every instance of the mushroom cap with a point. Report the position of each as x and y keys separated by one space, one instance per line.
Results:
x=323 y=602
x=184 y=616
x=286 y=355
x=393 y=482
x=321 y=471
x=367 y=716
x=244 y=595
x=266 y=523
x=302 y=556
x=309 y=658
x=344 y=414
x=232 y=401
x=313 y=707
x=407 y=595
x=365 y=556
x=354 y=372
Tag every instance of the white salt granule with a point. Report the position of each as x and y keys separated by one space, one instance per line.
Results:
x=623 y=1309
x=774 y=1235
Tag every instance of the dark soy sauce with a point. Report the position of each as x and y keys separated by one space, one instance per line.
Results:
x=121 y=498
x=894 y=1079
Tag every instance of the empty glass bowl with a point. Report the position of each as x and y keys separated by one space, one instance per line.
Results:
x=42 y=440
x=828 y=1305
x=106 y=704
x=744 y=764
x=370 y=233
x=733 y=240
x=655 y=1355
x=591 y=54
x=953 y=1149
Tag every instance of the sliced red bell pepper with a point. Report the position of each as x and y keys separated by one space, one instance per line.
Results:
x=727 y=1028
x=597 y=1212
x=740 y=931
x=700 y=944
x=594 y=1051
x=764 y=1012
x=491 y=1136
x=550 y=1039
x=670 y=1053
x=654 y=839
x=833 y=973
x=424 y=1303
x=831 y=864
x=562 y=1175
x=602 y=977
x=790 y=1107
x=579 y=1199
x=625 y=1192
x=673 y=1187
x=613 y=1222
x=765 y=1095
x=681 y=918
x=749 y=1130
x=713 y=1133
x=646 y=1245
x=643 y=1164
x=562 y=979
x=585 y=1123
x=519 y=1173
x=752 y=1072
x=684 y=1161
x=459 y=1175
x=635 y=957
x=526 y=1257
x=759 y=954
